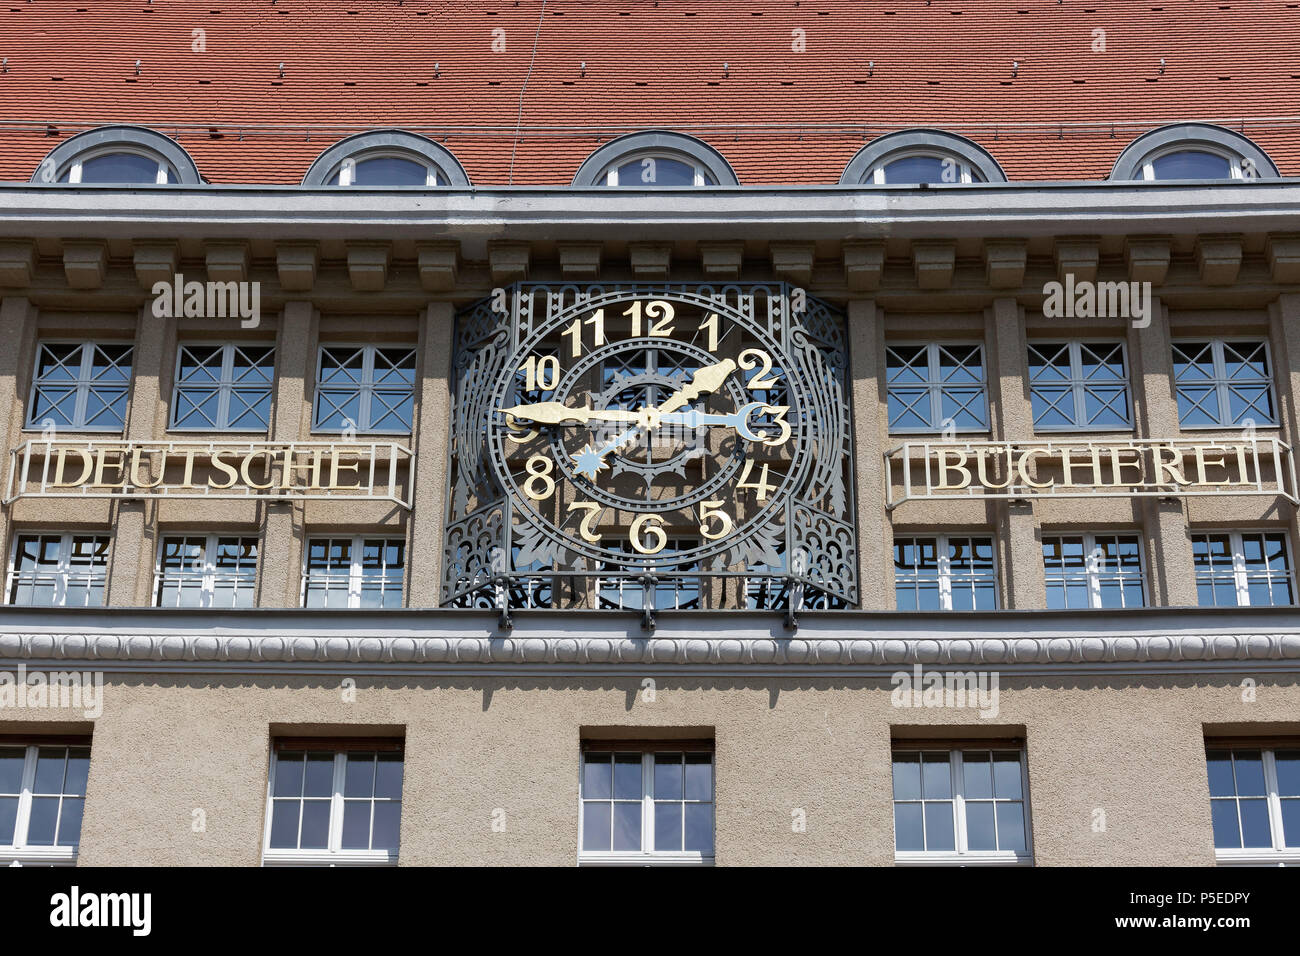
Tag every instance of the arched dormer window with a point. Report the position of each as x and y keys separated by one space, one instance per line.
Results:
x=913 y=156
x=387 y=157
x=1192 y=151
x=655 y=158
x=118 y=155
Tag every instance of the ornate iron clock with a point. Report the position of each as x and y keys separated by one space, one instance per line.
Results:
x=651 y=430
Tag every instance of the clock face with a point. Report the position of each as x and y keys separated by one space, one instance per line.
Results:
x=651 y=431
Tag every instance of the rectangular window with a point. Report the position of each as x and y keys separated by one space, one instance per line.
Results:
x=947 y=573
x=1255 y=804
x=1242 y=568
x=354 y=572
x=223 y=388
x=81 y=386
x=365 y=388
x=627 y=591
x=206 y=571
x=646 y=804
x=1222 y=383
x=42 y=794
x=1093 y=570
x=334 y=803
x=58 y=570
x=930 y=387
x=1078 y=386
x=961 y=806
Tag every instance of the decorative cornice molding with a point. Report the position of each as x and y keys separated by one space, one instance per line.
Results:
x=719 y=655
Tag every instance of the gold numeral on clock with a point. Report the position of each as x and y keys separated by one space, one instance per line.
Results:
x=539 y=468
x=541 y=372
x=762 y=486
x=763 y=380
x=585 y=527
x=515 y=428
x=658 y=312
x=711 y=325
x=597 y=322
x=710 y=510
x=642 y=527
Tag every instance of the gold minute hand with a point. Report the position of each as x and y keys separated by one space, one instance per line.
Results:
x=554 y=413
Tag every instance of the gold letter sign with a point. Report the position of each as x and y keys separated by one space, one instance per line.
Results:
x=1084 y=469
x=52 y=468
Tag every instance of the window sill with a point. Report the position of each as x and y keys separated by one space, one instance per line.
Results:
x=995 y=858
x=38 y=856
x=644 y=859
x=329 y=858
x=1257 y=857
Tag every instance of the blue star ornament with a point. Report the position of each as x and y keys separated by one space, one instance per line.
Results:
x=588 y=462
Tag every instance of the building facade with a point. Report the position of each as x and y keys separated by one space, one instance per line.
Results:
x=649 y=515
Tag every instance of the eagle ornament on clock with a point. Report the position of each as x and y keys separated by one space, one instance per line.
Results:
x=650 y=428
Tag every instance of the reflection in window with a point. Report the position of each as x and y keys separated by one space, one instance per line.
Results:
x=651 y=804
x=384 y=171
x=334 y=806
x=59 y=570
x=355 y=572
x=623 y=590
x=960 y=802
x=42 y=798
x=206 y=571
x=944 y=574
x=119 y=168
x=1255 y=804
x=1222 y=382
x=657 y=170
x=1093 y=571
x=1078 y=385
x=921 y=168
x=366 y=389
x=932 y=386
x=80 y=386
x=224 y=388
x=1242 y=568
x=1190 y=164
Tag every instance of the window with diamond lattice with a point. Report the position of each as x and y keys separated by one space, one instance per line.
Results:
x=934 y=386
x=1223 y=382
x=223 y=388
x=80 y=386
x=1078 y=386
x=365 y=388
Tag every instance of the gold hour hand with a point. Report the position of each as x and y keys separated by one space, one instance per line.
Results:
x=705 y=380
x=555 y=413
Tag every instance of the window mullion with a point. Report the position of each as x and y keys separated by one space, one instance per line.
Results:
x=336 y=804
x=1240 y=579
x=270 y=802
x=959 y=802
x=25 y=797
x=1077 y=386
x=355 y=573
x=367 y=389
x=648 y=802
x=224 y=386
x=1221 y=382
x=1274 y=800
x=935 y=383
x=83 y=385
x=943 y=563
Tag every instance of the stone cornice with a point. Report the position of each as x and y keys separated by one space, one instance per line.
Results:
x=804 y=213
x=738 y=643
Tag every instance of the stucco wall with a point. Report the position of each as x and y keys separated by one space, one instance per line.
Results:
x=1131 y=747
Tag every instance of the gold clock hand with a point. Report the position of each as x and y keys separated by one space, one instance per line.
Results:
x=708 y=379
x=705 y=380
x=554 y=413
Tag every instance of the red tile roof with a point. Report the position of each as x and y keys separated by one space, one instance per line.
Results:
x=779 y=116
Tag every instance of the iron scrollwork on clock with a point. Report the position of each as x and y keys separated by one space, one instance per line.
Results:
x=650 y=446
